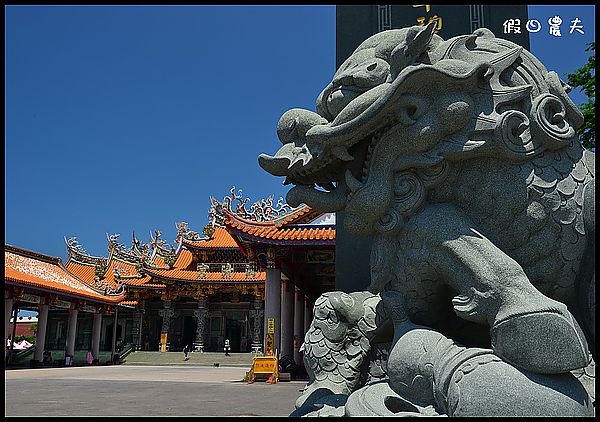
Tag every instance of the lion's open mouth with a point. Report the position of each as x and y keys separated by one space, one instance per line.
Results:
x=355 y=183
x=341 y=96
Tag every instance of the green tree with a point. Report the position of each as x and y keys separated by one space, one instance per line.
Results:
x=585 y=79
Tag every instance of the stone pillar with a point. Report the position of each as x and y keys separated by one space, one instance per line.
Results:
x=167 y=314
x=96 y=330
x=201 y=315
x=298 y=325
x=113 y=347
x=287 y=318
x=15 y=317
x=40 y=337
x=273 y=304
x=308 y=309
x=141 y=331
x=257 y=315
x=8 y=305
x=136 y=330
x=71 y=332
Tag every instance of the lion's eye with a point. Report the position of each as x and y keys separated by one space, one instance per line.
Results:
x=371 y=67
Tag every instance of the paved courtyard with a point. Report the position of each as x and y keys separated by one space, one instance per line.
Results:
x=144 y=391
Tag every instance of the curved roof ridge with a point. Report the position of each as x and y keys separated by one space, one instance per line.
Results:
x=32 y=254
x=47 y=279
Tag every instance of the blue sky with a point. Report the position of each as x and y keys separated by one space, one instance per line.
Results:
x=130 y=118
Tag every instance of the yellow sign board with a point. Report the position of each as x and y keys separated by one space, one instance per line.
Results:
x=163 y=342
x=271 y=326
x=264 y=365
x=270 y=344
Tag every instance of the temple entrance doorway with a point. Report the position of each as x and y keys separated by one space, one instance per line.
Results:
x=189 y=331
x=234 y=330
x=108 y=336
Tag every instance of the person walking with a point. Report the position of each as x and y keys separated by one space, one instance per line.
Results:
x=227 y=347
x=186 y=350
x=89 y=358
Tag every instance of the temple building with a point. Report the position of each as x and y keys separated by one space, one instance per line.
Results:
x=251 y=268
x=70 y=312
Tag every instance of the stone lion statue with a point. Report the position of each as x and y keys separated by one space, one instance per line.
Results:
x=460 y=159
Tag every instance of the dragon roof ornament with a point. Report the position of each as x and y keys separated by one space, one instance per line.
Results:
x=139 y=248
x=160 y=246
x=78 y=253
x=131 y=255
x=260 y=211
x=108 y=290
x=185 y=232
x=73 y=245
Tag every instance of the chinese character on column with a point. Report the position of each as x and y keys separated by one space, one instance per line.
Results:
x=426 y=6
x=438 y=23
x=421 y=20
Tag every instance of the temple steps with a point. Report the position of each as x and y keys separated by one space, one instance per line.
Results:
x=195 y=359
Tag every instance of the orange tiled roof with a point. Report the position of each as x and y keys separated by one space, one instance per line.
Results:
x=126 y=270
x=32 y=269
x=158 y=261
x=192 y=275
x=220 y=239
x=282 y=230
x=86 y=272
x=184 y=259
x=298 y=215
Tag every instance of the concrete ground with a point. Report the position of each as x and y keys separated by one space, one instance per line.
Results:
x=125 y=390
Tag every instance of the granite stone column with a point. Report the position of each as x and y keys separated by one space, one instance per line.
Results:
x=113 y=348
x=96 y=330
x=201 y=315
x=287 y=318
x=167 y=314
x=298 y=325
x=71 y=332
x=40 y=337
x=138 y=323
x=273 y=304
x=8 y=305
x=257 y=315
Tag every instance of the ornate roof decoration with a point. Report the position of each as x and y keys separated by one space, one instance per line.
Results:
x=250 y=271
x=139 y=248
x=73 y=244
x=107 y=289
x=160 y=246
x=119 y=250
x=215 y=214
x=226 y=270
x=100 y=269
x=262 y=210
x=113 y=242
x=76 y=252
x=183 y=231
x=170 y=259
x=202 y=270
